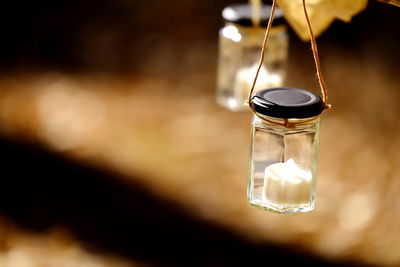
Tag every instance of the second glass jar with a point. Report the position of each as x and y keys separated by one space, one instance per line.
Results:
x=239 y=52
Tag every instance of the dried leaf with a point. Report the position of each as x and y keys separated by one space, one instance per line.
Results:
x=321 y=13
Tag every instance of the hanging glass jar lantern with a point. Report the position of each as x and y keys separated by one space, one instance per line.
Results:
x=284 y=149
x=239 y=46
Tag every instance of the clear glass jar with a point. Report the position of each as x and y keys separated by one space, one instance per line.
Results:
x=239 y=52
x=284 y=150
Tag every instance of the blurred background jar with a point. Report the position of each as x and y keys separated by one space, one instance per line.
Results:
x=240 y=44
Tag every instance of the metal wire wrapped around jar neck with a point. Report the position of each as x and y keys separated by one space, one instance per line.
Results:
x=287 y=122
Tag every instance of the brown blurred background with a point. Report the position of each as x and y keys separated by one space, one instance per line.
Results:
x=114 y=153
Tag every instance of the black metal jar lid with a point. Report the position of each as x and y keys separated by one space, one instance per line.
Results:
x=285 y=103
x=242 y=14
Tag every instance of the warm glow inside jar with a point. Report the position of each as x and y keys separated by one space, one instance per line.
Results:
x=284 y=150
x=239 y=52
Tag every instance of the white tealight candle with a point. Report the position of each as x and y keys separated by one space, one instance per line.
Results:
x=287 y=184
x=245 y=77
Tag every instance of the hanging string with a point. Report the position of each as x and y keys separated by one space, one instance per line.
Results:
x=314 y=49
x=324 y=90
x=264 y=46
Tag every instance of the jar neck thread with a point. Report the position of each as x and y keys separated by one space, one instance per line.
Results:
x=290 y=123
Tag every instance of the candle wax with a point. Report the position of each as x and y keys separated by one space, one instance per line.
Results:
x=287 y=184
